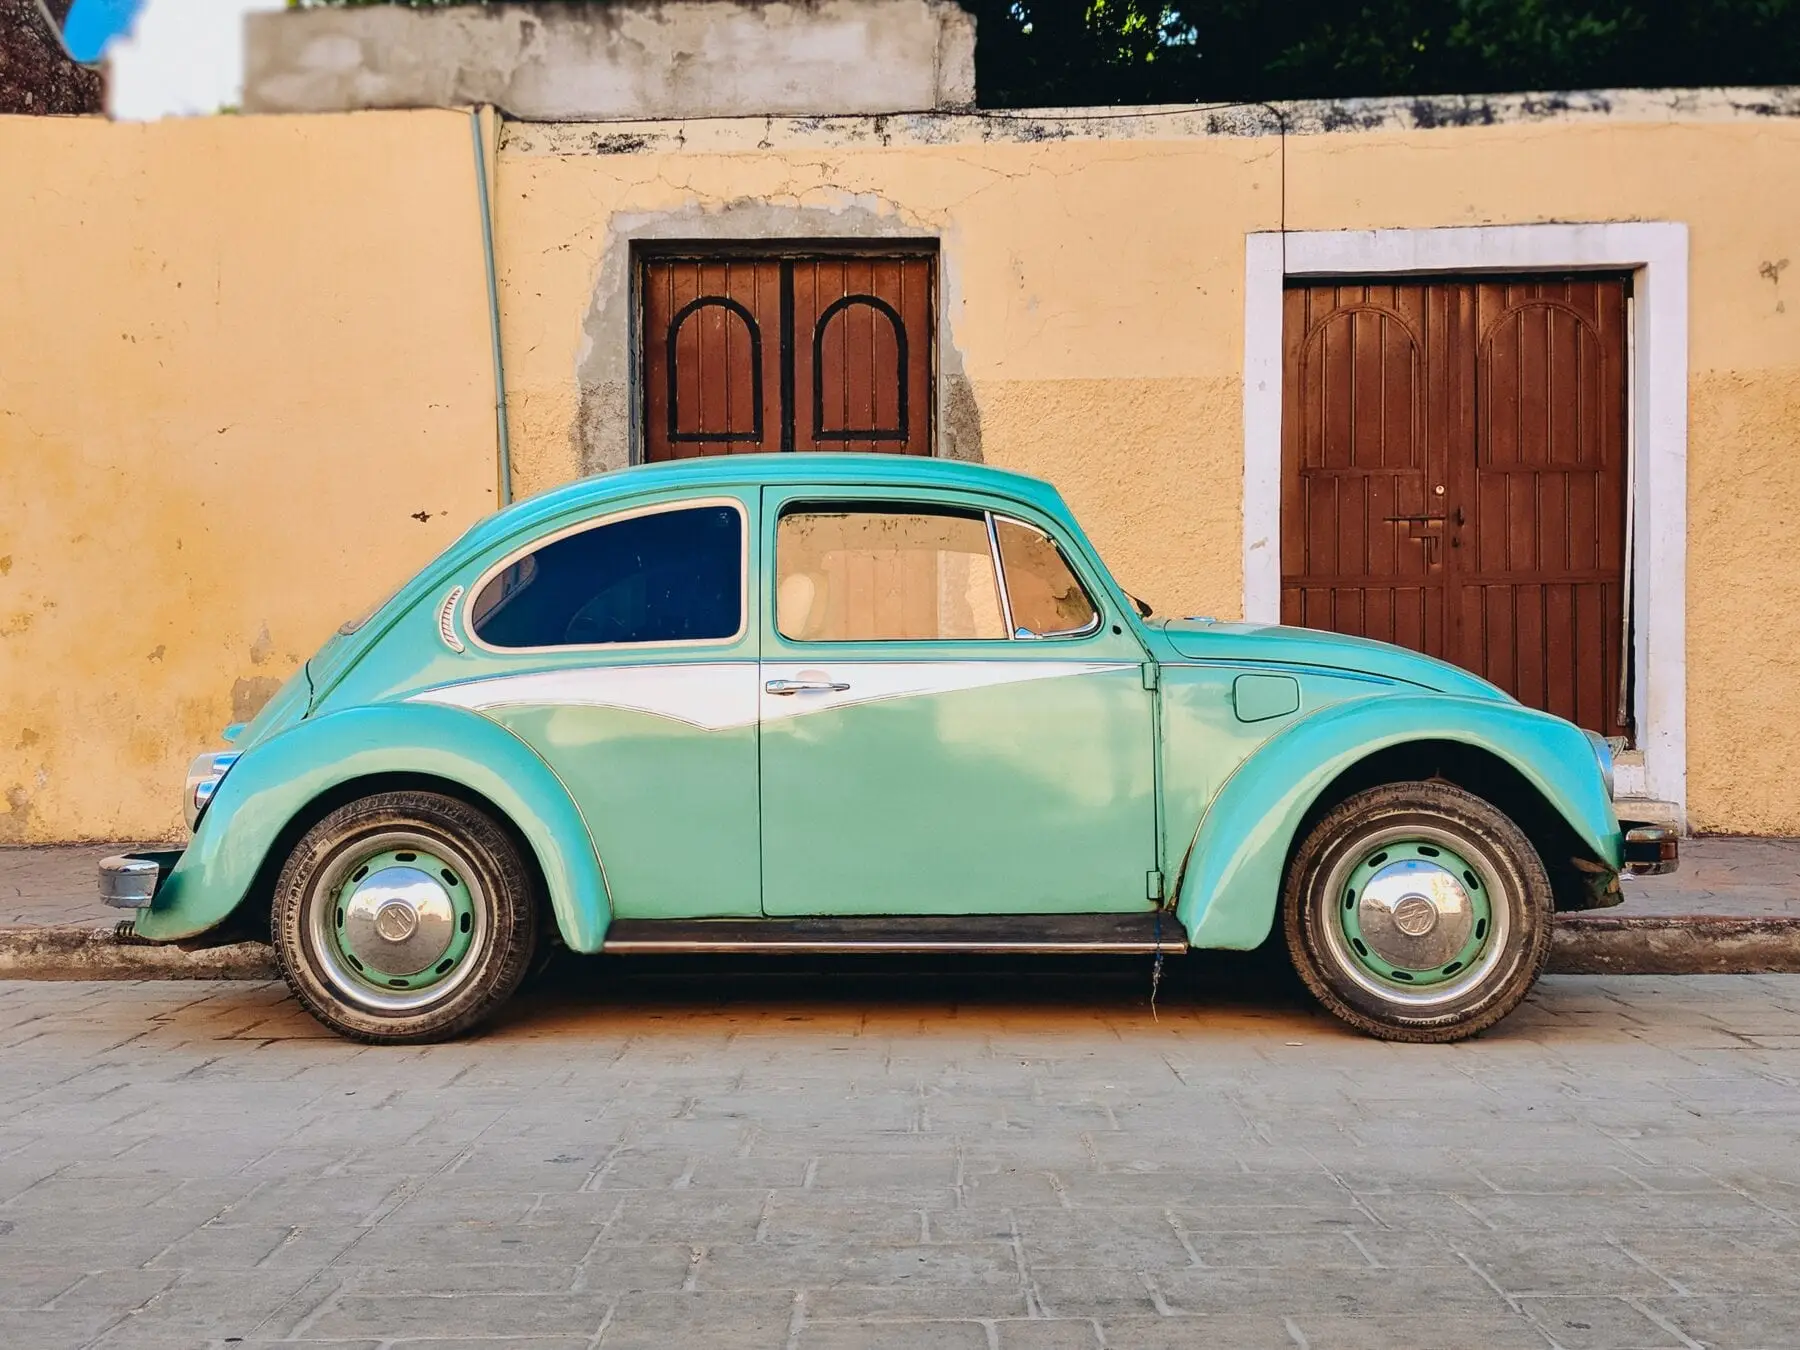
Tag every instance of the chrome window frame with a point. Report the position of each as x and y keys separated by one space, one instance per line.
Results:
x=990 y=520
x=1088 y=629
x=467 y=607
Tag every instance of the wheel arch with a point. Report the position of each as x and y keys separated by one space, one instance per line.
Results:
x=1497 y=781
x=282 y=788
x=1542 y=767
x=255 y=900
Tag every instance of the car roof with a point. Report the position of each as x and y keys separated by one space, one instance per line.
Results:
x=776 y=470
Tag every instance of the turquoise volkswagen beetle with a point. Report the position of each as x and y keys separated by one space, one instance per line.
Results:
x=832 y=703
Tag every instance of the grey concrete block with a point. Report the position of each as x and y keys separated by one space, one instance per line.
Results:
x=631 y=59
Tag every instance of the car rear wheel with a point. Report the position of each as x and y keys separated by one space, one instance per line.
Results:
x=1418 y=912
x=404 y=917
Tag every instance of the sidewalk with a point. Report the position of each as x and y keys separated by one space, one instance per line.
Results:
x=1733 y=907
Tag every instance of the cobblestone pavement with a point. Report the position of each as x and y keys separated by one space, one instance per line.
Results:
x=1754 y=878
x=996 y=1159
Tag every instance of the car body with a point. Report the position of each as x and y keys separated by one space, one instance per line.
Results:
x=852 y=702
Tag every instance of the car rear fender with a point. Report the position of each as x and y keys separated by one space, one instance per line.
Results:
x=1230 y=883
x=276 y=783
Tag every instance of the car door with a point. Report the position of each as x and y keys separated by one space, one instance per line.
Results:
x=623 y=650
x=942 y=734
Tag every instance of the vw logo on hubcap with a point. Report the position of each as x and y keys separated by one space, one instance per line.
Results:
x=397 y=921
x=1415 y=916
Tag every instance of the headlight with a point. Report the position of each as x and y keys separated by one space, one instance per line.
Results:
x=203 y=778
x=1602 y=753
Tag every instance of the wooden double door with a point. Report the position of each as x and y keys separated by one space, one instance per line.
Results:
x=744 y=351
x=1454 y=478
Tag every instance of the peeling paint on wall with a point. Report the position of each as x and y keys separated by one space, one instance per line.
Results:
x=249 y=695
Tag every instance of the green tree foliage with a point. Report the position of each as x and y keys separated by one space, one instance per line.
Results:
x=1046 y=52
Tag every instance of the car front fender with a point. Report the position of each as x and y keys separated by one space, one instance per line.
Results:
x=1231 y=882
x=274 y=782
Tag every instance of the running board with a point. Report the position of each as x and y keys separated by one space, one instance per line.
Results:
x=979 y=935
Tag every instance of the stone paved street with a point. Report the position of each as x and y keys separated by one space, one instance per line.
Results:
x=993 y=1158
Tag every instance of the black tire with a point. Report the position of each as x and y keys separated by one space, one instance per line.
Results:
x=1516 y=904
x=491 y=911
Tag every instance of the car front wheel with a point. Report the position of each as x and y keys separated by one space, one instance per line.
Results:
x=404 y=917
x=1418 y=912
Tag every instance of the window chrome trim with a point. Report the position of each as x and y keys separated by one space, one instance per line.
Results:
x=993 y=534
x=1088 y=629
x=597 y=522
x=801 y=500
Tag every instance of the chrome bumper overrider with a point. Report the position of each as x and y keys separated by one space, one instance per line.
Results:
x=131 y=880
x=1651 y=850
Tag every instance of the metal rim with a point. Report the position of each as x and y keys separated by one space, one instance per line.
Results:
x=394 y=920
x=1416 y=914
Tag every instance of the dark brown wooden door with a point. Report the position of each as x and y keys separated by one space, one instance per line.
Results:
x=1453 y=459
x=823 y=352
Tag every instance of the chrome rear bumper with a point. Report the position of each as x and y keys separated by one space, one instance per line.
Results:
x=1650 y=850
x=131 y=880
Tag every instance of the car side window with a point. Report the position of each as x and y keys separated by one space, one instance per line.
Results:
x=668 y=576
x=849 y=573
x=1044 y=596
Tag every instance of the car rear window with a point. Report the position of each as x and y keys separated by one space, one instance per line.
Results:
x=668 y=576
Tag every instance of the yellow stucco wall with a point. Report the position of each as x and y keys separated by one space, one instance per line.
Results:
x=240 y=354
x=237 y=355
x=1094 y=303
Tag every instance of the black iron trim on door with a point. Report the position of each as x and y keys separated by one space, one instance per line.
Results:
x=681 y=316
x=902 y=370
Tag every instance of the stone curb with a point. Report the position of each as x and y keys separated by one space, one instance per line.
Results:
x=1675 y=944
x=78 y=952
x=1585 y=944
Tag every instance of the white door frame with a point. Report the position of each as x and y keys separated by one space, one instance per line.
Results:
x=1656 y=253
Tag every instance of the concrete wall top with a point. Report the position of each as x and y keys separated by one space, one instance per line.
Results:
x=627 y=59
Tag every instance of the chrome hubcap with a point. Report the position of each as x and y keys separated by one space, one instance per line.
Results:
x=1413 y=916
x=399 y=920
x=394 y=919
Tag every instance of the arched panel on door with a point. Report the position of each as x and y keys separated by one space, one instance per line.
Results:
x=1541 y=577
x=709 y=356
x=868 y=333
x=707 y=413
x=766 y=347
x=1361 y=548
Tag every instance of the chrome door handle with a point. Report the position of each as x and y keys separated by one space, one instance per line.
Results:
x=805 y=687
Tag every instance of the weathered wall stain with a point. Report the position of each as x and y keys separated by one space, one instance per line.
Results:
x=249 y=695
x=15 y=821
x=1772 y=271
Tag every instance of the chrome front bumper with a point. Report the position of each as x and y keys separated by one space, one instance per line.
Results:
x=1650 y=850
x=131 y=880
